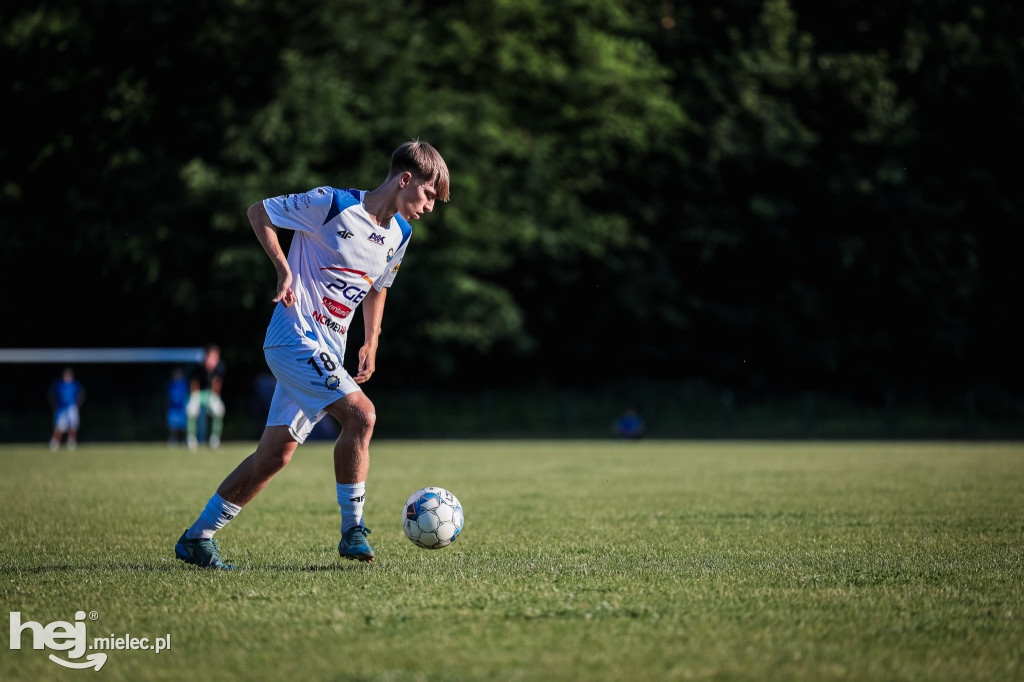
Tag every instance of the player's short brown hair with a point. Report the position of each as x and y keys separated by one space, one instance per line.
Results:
x=424 y=162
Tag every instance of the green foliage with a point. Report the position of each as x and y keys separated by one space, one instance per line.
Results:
x=766 y=194
x=533 y=108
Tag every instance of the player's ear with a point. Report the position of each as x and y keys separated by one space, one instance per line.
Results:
x=404 y=179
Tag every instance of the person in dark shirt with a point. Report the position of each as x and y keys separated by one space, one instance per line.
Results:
x=206 y=380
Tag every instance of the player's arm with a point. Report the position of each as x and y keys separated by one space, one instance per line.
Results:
x=373 y=314
x=266 y=233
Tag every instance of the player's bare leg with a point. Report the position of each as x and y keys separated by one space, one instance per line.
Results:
x=272 y=454
x=356 y=415
x=196 y=545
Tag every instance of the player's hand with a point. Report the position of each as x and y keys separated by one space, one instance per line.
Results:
x=367 y=364
x=284 y=289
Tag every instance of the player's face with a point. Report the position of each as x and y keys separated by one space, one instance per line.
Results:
x=416 y=198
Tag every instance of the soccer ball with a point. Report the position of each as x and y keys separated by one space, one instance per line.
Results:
x=432 y=518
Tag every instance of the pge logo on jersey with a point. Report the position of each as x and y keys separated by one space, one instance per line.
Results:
x=71 y=637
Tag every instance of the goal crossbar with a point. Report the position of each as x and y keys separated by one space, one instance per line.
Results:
x=107 y=355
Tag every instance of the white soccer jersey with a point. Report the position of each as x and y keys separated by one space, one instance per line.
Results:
x=337 y=253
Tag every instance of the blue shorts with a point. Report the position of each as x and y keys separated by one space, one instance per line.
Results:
x=66 y=418
x=177 y=420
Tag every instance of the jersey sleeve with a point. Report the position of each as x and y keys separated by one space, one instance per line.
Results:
x=305 y=212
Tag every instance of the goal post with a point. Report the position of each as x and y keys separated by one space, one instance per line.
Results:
x=125 y=390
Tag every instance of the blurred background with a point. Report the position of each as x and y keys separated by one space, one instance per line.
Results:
x=760 y=218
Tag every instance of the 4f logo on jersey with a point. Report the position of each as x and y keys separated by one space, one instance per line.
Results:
x=344 y=234
x=376 y=238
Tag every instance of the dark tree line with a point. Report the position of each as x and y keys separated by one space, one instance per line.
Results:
x=774 y=195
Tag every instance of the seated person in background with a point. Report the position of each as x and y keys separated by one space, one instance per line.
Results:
x=629 y=425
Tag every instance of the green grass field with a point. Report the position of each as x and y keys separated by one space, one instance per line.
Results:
x=578 y=561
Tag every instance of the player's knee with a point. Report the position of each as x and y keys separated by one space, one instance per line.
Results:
x=274 y=451
x=280 y=460
x=271 y=461
x=370 y=417
x=360 y=419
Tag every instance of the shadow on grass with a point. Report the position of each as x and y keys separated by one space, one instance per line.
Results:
x=111 y=567
x=314 y=568
x=89 y=567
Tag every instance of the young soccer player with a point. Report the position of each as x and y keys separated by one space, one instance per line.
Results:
x=66 y=396
x=346 y=248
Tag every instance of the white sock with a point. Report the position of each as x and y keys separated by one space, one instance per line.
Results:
x=215 y=516
x=351 y=497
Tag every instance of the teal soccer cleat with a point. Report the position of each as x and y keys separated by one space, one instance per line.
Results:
x=354 y=546
x=202 y=553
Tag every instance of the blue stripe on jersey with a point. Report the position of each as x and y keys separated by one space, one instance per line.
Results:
x=281 y=330
x=406 y=229
x=342 y=199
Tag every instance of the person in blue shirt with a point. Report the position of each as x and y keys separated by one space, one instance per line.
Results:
x=177 y=399
x=66 y=396
x=629 y=425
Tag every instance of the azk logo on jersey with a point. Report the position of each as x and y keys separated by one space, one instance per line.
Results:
x=376 y=238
